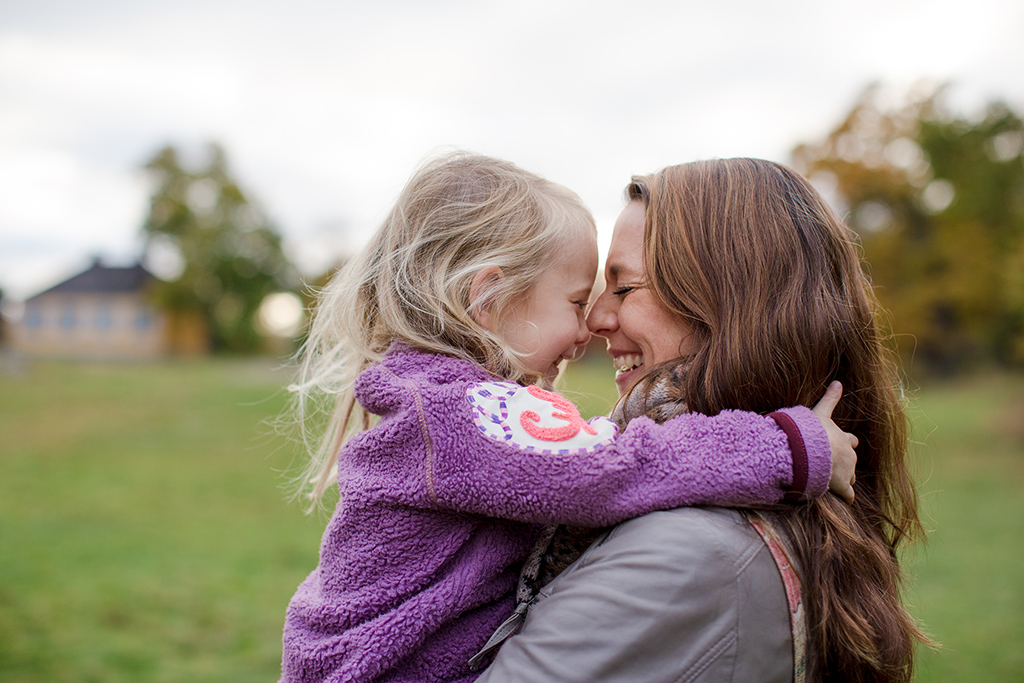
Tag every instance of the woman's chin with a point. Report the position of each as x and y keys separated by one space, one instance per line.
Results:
x=625 y=379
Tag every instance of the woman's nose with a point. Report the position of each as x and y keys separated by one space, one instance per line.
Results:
x=602 y=320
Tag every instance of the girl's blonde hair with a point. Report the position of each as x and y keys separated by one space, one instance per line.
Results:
x=459 y=214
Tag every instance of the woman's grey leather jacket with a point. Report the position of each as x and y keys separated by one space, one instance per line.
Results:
x=684 y=595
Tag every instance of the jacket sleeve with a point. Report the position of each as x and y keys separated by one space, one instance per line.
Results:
x=682 y=595
x=502 y=450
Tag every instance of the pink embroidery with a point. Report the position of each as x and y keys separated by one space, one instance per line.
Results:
x=564 y=410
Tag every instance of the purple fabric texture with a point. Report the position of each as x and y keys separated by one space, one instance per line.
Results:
x=419 y=562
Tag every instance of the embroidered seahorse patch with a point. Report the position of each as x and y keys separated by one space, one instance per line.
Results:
x=535 y=420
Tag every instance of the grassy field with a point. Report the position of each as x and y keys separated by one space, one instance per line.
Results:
x=144 y=534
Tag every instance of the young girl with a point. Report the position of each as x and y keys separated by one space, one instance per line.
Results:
x=445 y=329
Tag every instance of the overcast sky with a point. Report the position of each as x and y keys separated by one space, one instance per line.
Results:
x=324 y=108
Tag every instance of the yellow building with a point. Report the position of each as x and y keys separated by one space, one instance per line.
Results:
x=101 y=313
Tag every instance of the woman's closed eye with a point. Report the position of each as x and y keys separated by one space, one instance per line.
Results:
x=624 y=290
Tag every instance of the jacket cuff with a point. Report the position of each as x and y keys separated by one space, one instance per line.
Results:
x=812 y=455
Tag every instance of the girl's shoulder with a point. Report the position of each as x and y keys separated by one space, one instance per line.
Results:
x=405 y=371
x=415 y=364
x=452 y=392
x=533 y=419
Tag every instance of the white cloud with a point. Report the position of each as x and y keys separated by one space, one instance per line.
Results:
x=325 y=107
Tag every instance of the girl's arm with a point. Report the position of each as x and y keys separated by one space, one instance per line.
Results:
x=522 y=453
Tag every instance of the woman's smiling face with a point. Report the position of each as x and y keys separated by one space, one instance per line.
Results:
x=640 y=332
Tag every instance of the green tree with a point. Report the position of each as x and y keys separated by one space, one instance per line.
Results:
x=938 y=202
x=231 y=253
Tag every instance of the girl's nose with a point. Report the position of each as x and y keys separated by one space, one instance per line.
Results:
x=582 y=334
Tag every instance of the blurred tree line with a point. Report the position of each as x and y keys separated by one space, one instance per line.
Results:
x=229 y=254
x=938 y=202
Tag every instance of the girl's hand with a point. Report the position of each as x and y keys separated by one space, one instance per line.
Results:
x=844 y=457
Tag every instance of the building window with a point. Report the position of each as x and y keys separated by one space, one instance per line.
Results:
x=103 y=319
x=32 y=316
x=142 y=320
x=67 y=318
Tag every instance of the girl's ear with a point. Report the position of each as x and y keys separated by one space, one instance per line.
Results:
x=482 y=285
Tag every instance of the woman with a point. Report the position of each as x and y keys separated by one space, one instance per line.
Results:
x=730 y=284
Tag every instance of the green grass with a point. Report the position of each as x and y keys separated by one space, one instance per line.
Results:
x=144 y=534
x=969 y=588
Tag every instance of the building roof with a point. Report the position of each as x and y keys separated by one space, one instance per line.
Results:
x=100 y=278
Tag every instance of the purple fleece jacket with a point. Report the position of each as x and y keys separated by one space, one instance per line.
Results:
x=442 y=500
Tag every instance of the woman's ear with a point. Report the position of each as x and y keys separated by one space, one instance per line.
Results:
x=479 y=291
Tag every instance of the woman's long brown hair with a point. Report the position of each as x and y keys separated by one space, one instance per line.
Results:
x=748 y=253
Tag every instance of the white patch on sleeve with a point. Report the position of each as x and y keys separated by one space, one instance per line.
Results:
x=536 y=420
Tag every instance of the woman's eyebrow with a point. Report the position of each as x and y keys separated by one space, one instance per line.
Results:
x=617 y=271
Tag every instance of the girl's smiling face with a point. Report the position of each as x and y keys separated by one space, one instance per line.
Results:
x=550 y=324
x=640 y=332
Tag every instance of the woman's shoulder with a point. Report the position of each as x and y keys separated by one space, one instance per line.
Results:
x=664 y=597
x=698 y=536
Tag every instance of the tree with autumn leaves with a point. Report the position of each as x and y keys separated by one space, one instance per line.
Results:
x=230 y=254
x=938 y=202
